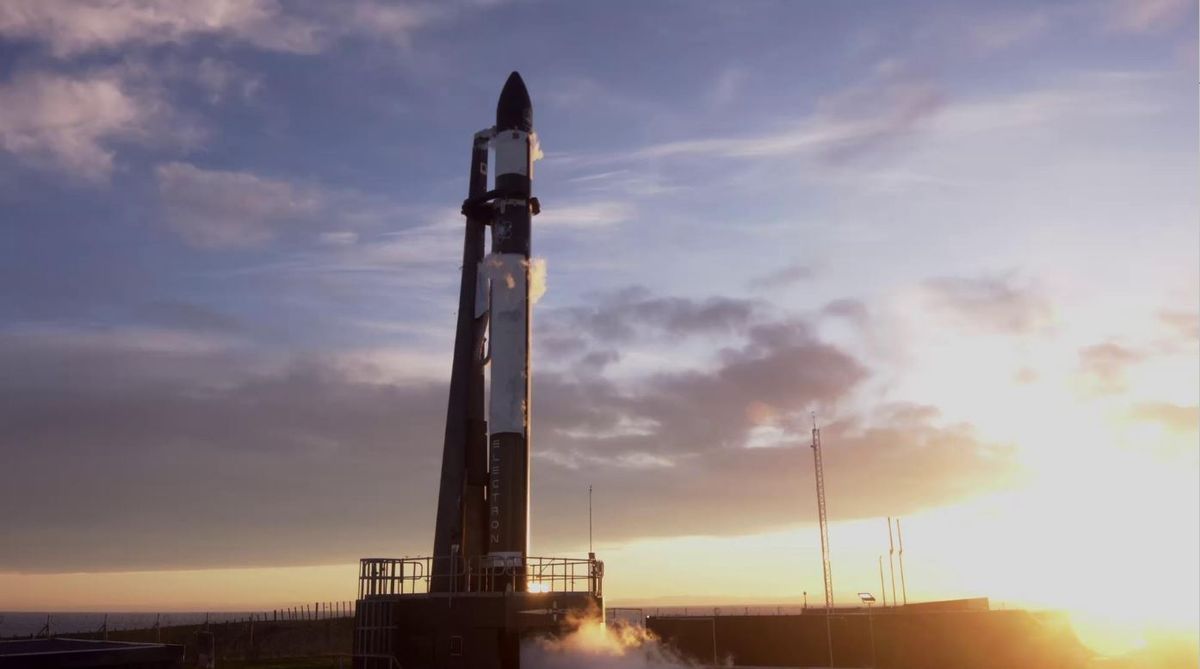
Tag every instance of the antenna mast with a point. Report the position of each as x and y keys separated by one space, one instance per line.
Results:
x=891 y=562
x=821 y=514
x=903 y=585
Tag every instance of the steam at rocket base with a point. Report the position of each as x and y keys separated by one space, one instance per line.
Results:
x=480 y=593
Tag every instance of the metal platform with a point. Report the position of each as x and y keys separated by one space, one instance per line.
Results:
x=477 y=618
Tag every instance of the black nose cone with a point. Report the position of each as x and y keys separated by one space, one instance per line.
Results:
x=514 y=111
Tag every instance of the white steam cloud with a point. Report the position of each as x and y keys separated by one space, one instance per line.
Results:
x=594 y=645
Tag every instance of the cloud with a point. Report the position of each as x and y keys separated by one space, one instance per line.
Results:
x=852 y=310
x=220 y=209
x=250 y=452
x=241 y=460
x=1141 y=16
x=989 y=304
x=1172 y=416
x=1185 y=324
x=623 y=315
x=73 y=123
x=585 y=215
x=212 y=208
x=187 y=316
x=845 y=124
x=1103 y=366
x=782 y=277
x=1001 y=31
x=72 y=27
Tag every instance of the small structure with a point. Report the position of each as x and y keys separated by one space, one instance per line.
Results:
x=80 y=653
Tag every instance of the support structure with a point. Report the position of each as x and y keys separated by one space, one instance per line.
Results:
x=891 y=560
x=823 y=521
x=881 y=588
x=903 y=584
x=822 y=515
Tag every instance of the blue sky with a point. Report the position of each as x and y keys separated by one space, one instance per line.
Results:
x=231 y=242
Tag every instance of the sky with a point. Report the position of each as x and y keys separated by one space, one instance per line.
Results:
x=964 y=235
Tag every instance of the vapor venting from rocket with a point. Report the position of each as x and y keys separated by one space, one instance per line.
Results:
x=537 y=279
x=595 y=645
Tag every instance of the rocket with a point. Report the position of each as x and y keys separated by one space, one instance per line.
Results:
x=483 y=502
x=507 y=273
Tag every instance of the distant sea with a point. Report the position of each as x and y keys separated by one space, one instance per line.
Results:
x=24 y=623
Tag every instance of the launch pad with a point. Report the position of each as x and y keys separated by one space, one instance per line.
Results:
x=399 y=620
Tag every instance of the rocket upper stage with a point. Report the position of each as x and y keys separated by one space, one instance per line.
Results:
x=514 y=111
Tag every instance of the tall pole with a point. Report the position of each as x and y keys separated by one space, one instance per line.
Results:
x=823 y=521
x=871 y=626
x=903 y=584
x=591 y=552
x=881 y=588
x=891 y=563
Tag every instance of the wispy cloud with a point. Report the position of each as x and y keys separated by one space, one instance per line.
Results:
x=72 y=27
x=1172 y=416
x=586 y=214
x=1185 y=324
x=215 y=209
x=998 y=304
x=212 y=208
x=73 y=124
x=782 y=277
x=851 y=121
x=1103 y=367
x=1149 y=15
x=990 y=33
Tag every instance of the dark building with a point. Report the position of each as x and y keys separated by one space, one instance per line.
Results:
x=959 y=634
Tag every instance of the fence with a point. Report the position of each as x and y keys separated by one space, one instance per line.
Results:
x=47 y=625
x=408 y=576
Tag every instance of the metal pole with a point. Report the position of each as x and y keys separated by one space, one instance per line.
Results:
x=829 y=634
x=590 y=549
x=714 y=639
x=903 y=585
x=871 y=627
x=881 y=588
x=891 y=563
x=826 y=569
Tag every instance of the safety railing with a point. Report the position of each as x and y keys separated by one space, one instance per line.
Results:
x=409 y=576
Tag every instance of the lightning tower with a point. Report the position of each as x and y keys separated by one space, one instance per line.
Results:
x=822 y=514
